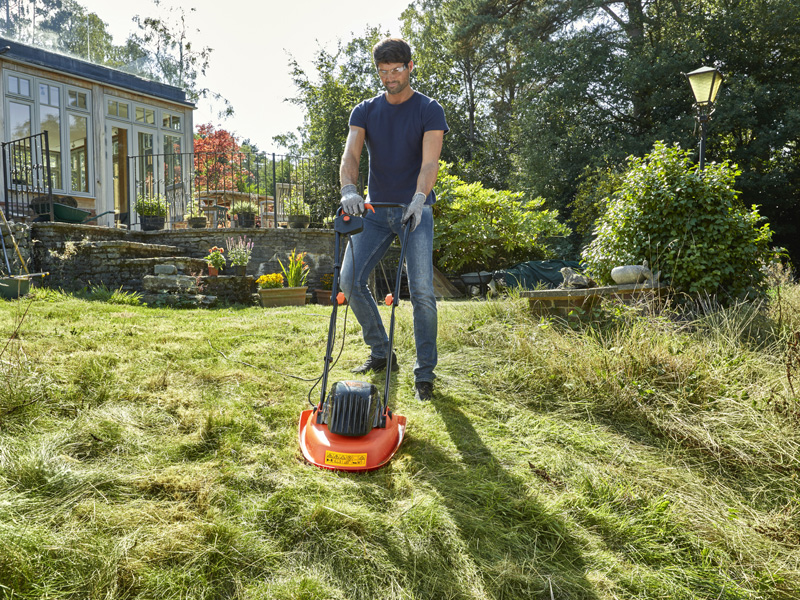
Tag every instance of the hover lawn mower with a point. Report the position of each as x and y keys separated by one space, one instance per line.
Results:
x=352 y=429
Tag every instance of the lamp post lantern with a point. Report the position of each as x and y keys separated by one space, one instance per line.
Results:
x=705 y=83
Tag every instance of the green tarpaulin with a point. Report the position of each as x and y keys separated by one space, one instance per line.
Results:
x=536 y=273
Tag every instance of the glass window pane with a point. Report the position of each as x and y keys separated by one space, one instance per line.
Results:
x=76 y=99
x=50 y=121
x=13 y=85
x=24 y=87
x=79 y=153
x=111 y=108
x=19 y=120
x=44 y=96
x=146 y=115
x=147 y=184
x=123 y=110
x=172 y=160
x=172 y=144
x=55 y=96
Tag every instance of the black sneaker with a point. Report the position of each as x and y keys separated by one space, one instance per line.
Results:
x=377 y=364
x=424 y=391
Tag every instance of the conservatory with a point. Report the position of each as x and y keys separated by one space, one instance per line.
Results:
x=68 y=127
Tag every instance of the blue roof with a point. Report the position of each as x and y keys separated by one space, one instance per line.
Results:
x=93 y=72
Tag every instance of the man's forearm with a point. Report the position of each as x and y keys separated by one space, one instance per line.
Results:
x=348 y=171
x=427 y=177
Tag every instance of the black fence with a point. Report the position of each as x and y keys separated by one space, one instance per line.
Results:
x=275 y=189
x=27 y=178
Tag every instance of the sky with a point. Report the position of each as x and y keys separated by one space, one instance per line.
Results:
x=251 y=44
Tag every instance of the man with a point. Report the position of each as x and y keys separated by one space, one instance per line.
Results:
x=403 y=131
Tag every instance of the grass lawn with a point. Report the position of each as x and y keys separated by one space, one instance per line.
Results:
x=152 y=453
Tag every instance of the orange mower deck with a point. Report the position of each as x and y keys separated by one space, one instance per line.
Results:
x=328 y=450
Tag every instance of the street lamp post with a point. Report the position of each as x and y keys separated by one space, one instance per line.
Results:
x=705 y=83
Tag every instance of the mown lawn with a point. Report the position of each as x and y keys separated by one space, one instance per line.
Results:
x=152 y=453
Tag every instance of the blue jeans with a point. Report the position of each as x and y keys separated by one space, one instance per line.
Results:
x=368 y=248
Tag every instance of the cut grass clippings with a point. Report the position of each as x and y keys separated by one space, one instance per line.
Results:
x=152 y=453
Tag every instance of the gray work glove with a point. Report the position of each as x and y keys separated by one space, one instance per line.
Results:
x=413 y=214
x=352 y=203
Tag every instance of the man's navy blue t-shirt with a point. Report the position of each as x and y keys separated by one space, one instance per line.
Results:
x=394 y=141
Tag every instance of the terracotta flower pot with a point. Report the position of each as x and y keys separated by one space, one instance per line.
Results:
x=212 y=271
x=324 y=297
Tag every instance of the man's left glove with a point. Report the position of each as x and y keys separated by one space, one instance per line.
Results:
x=413 y=214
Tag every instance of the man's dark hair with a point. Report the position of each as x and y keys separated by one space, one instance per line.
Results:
x=391 y=50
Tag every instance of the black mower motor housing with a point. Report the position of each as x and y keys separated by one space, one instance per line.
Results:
x=352 y=408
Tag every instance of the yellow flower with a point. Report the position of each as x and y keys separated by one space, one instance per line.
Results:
x=271 y=281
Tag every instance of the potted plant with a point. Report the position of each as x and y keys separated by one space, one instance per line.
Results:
x=323 y=293
x=295 y=273
x=215 y=260
x=298 y=213
x=239 y=251
x=152 y=211
x=245 y=213
x=194 y=218
x=272 y=293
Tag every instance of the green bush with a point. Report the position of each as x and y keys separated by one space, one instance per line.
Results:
x=485 y=229
x=687 y=223
x=151 y=206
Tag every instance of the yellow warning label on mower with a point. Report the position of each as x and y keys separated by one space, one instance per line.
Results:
x=343 y=459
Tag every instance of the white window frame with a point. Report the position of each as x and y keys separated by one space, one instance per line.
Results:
x=64 y=113
x=120 y=101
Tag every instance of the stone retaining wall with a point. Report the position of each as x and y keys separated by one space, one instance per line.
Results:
x=270 y=246
x=80 y=255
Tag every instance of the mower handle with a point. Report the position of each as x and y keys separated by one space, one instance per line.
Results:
x=386 y=204
x=371 y=206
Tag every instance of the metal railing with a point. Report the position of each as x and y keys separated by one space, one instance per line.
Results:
x=216 y=184
x=27 y=178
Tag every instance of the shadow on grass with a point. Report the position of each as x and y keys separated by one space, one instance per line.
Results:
x=519 y=549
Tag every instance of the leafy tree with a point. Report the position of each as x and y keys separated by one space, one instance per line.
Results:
x=479 y=228
x=687 y=223
x=602 y=81
x=171 y=55
x=162 y=49
x=61 y=25
x=218 y=162
x=467 y=69
x=591 y=200
x=344 y=78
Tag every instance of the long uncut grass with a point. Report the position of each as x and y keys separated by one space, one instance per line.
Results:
x=649 y=453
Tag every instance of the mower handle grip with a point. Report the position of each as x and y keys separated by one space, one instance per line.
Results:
x=371 y=206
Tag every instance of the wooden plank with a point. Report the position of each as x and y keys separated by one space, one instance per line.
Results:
x=442 y=286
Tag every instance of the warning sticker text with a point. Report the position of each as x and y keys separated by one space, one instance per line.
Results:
x=343 y=459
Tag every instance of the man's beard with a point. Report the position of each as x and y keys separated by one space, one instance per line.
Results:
x=401 y=86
